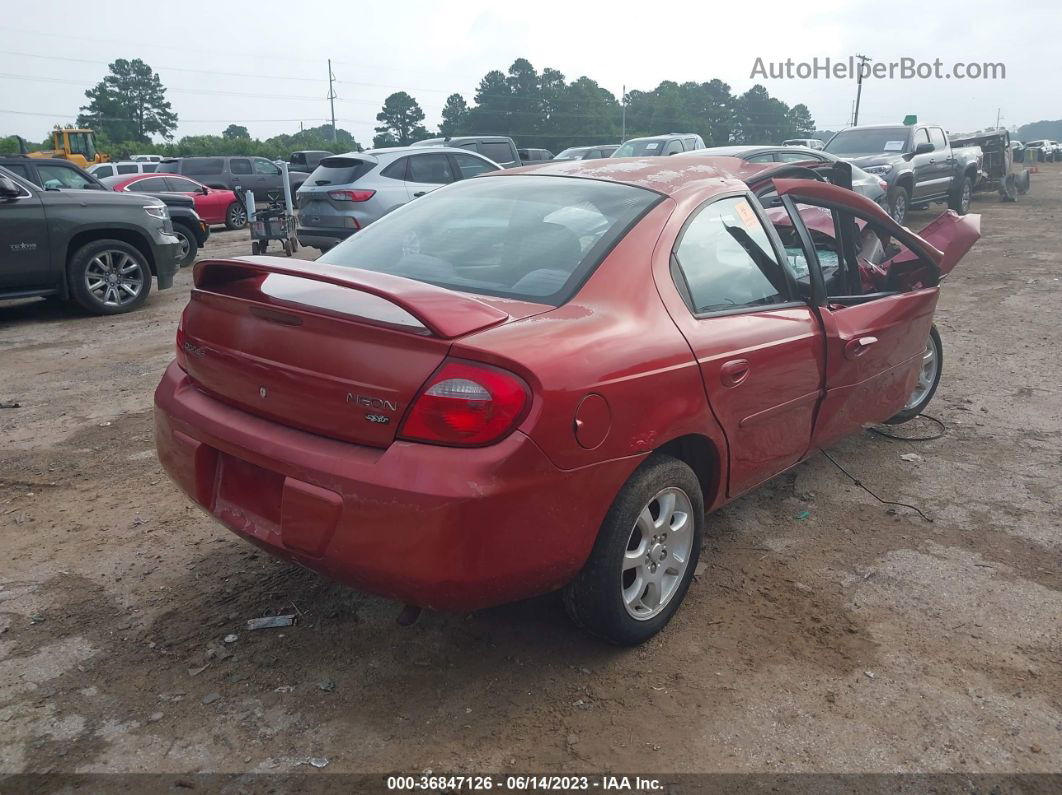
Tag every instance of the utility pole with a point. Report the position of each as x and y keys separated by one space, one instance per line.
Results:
x=863 y=60
x=623 y=114
x=999 y=116
x=332 y=98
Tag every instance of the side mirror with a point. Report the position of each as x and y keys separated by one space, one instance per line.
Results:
x=924 y=149
x=8 y=188
x=204 y=190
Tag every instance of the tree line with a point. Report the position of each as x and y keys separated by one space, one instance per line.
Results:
x=128 y=109
x=544 y=110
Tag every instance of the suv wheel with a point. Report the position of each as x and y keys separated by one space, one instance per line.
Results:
x=109 y=277
x=236 y=216
x=188 y=248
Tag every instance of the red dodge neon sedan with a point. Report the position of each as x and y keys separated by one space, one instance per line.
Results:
x=542 y=378
x=213 y=205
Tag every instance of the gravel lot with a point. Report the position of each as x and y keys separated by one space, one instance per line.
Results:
x=851 y=638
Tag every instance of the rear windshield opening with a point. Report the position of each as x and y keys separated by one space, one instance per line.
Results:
x=340 y=171
x=531 y=238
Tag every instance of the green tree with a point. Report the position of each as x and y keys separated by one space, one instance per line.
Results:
x=400 y=119
x=761 y=119
x=491 y=114
x=525 y=100
x=454 y=115
x=129 y=104
x=235 y=131
x=800 y=121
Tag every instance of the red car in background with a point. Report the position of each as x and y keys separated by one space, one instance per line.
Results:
x=542 y=378
x=213 y=205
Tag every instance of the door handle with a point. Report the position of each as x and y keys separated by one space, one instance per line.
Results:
x=418 y=194
x=853 y=349
x=734 y=372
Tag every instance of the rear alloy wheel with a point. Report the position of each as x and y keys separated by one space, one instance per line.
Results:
x=960 y=200
x=188 y=247
x=236 y=216
x=929 y=372
x=643 y=561
x=109 y=277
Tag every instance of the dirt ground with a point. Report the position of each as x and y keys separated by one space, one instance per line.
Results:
x=827 y=631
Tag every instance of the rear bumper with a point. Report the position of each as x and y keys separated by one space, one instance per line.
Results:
x=451 y=529
x=322 y=237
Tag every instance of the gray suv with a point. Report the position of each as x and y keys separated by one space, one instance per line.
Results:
x=232 y=172
x=498 y=148
x=348 y=192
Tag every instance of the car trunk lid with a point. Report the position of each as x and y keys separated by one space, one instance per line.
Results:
x=336 y=351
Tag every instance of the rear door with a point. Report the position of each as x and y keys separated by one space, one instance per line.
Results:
x=758 y=345
x=876 y=321
x=428 y=172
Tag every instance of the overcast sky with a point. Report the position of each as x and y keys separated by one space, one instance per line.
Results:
x=263 y=64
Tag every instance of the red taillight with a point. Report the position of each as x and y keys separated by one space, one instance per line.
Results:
x=351 y=195
x=181 y=358
x=465 y=404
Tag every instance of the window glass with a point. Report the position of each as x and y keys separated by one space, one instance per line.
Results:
x=766 y=157
x=936 y=137
x=103 y=171
x=643 y=148
x=498 y=151
x=397 y=170
x=151 y=183
x=430 y=169
x=673 y=147
x=59 y=177
x=151 y=168
x=527 y=237
x=470 y=165
x=182 y=185
x=239 y=165
x=196 y=166
x=127 y=168
x=727 y=259
x=21 y=170
x=262 y=166
x=869 y=141
x=798 y=156
x=921 y=137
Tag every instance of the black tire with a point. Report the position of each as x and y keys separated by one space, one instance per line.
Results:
x=189 y=245
x=913 y=411
x=94 y=263
x=899 y=203
x=594 y=599
x=236 y=216
x=962 y=196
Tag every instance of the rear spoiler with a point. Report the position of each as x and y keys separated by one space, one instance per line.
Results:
x=445 y=313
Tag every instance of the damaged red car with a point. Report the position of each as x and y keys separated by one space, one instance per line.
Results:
x=543 y=378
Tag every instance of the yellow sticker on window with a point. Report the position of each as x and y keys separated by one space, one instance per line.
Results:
x=745 y=213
